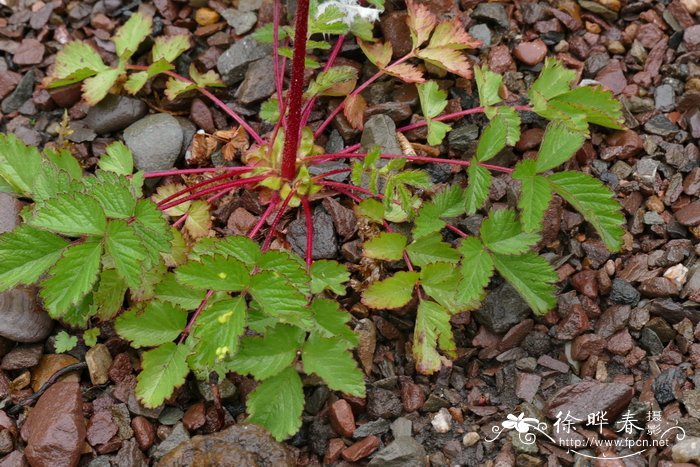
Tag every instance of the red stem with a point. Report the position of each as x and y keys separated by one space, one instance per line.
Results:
x=461 y=113
x=184 y=217
x=296 y=90
x=173 y=172
x=350 y=195
x=275 y=53
x=308 y=108
x=223 y=186
x=320 y=158
x=309 y=231
x=329 y=173
x=195 y=315
x=263 y=218
x=194 y=187
x=278 y=218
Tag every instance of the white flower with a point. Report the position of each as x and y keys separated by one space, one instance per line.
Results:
x=350 y=10
x=520 y=423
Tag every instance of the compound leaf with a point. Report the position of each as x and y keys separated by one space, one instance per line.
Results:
x=554 y=79
x=558 y=145
x=108 y=298
x=433 y=100
x=501 y=233
x=96 y=88
x=330 y=275
x=127 y=252
x=535 y=195
x=488 y=83
x=158 y=323
x=168 y=48
x=19 y=163
x=532 y=276
x=331 y=321
x=131 y=34
x=476 y=270
x=264 y=357
x=433 y=330
x=388 y=246
x=26 y=253
x=73 y=215
x=164 y=369
x=597 y=104
x=277 y=404
x=216 y=272
x=75 y=62
x=334 y=364
x=278 y=298
x=478 y=187
x=117 y=158
x=392 y=292
x=431 y=249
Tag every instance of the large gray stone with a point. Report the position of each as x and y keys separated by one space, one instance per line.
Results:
x=233 y=63
x=19 y=96
x=156 y=141
x=380 y=130
x=325 y=244
x=502 y=309
x=115 y=113
x=257 y=84
x=404 y=451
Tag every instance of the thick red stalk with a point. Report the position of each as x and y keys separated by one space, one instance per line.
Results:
x=309 y=230
x=296 y=91
x=277 y=219
x=223 y=186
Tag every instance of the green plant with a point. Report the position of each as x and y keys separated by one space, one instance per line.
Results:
x=212 y=306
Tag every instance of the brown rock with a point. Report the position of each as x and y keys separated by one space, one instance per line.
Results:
x=500 y=59
x=101 y=428
x=8 y=82
x=589 y=397
x=29 y=52
x=55 y=428
x=575 y=323
x=530 y=139
x=201 y=116
x=361 y=449
x=120 y=370
x=658 y=287
x=99 y=361
x=526 y=385
x=530 y=53
x=586 y=283
x=22 y=318
x=689 y=215
x=612 y=77
x=395 y=30
x=14 y=459
x=66 y=96
x=620 y=343
x=240 y=222
x=50 y=364
x=515 y=335
x=341 y=417
x=195 y=417
x=144 y=432
x=24 y=356
x=335 y=448
x=586 y=345
x=412 y=396
x=344 y=219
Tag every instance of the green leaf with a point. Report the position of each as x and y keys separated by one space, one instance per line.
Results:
x=334 y=364
x=432 y=330
x=127 y=252
x=488 y=83
x=153 y=230
x=164 y=370
x=476 y=270
x=72 y=277
x=554 y=80
x=421 y=22
x=270 y=111
x=112 y=192
x=501 y=233
x=129 y=36
x=277 y=404
x=73 y=215
x=478 y=188
x=558 y=145
x=431 y=249
x=65 y=342
x=136 y=82
x=279 y=298
x=371 y=209
x=208 y=79
x=535 y=195
x=388 y=246
x=433 y=100
x=595 y=202
x=175 y=87
x=325 y=81
x=75 y=62
x=109 y=296
x=492 y=141
x=441 y=281
x=330 y=275
x=96 y=88
x=437 y=131
x=446 y=203
x=198 y=221
x=26 y=253
x=170 y=290
x=65 y=161
x=532 y=276
x=214 y=272
x=599 y=105
x=265 y=34
x=330 y=321
x=77 y=316
x=90 y=336
x=50 y=181
x=19 y=163
x=263 y=357
x=289 y=265
x=236 y=246
x=168 y=48
x=216 y=334
x=157 y=324
x=117 y=158
x=392 y=292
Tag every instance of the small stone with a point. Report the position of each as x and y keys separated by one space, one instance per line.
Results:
x=195 y=417
x=50 y=364
x=442 y=421
x=404 y=451
x=493 y=13
x=658 y=287
x=661 y=125
x=586 y=283
x=590 y=397
x=29 y=52
x=620 y=343
x=686 y=450
x=98 y=360
x=19 y=96
x=531 y=53
x=382 y=403
x=325 y=245
x=401 y=427
x=586 y=345
x=155 y=141
x=206 y=16
x=22 y=318
x=380 y=130
x=257 y=85
x=101 y=428
x=689 y=215
x=144 y=433
x=502 y=309
x=691 y=401
x=375 y=427
x=624 y=293
x=667 y=385
x=24 y=356
x=412 y=396
x=677 y=274
x=361 y=449
x=664 y=98
x=650 y=342
x=575 y=323
x=500 y=59
x=240 y=222
x=115 y=113
x=177 y=435
x=526 y=385
x=233 y=63
x=341 y=418
x=470 y=439
x=396 y=32
x=482 y=33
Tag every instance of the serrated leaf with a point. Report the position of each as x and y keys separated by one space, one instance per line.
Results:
x=432 y=331
x=198 y=222
x=479 y=183
x=214 y=272
x=599 y=105
x=448 y=59
x=554 y=80
x=175 y=87
x=371 y=209
x=362 y=28
x=72 y=277
x=168 y=48
x=264 y=357
x=265 y=34
x=379 y=53
x=73 y=215
x=289 y=265
x=441 y=281
x=535 y=195
x=152 y=228
x=108 y=298
x=242 y=248
x=488 y=83
x=65 y=342
x=135 y=82
x=331 y=20
x=96 y=88
x=50 y=181
x=112 y=192
x=165 y=191
x=328 y=275
x=433 y=100
x=65 y=161
x=277 y=404
x=567 y=115
x=127 y=252
x=452 y=35
x=431 y=249
x=75 y=62
x=171 y=291
x=270 y=111
x=501 y=233
x=492 y=141
x=19 y=163
x=446 y=203
x=354 y=111
x=388 y=246
x=595 y=202
x=437 y=131
x=277 y=297
x=392 y=292
x=331 y=321
x=164 y=370
x=405 y=72
x=90 y=336
x=131 y=34
x=26 y=253
x=158 y=323
x=558 y=145
x=333 y=364
x=420 y=21
x=476 y=270
x=532 y=276
x=216 y=333
x=209 y=79
x=77 y=316
x=327 y=81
